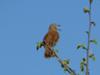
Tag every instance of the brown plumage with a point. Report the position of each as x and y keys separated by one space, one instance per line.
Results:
x=50 y=41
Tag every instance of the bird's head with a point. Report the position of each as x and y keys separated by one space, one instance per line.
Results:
x=53 y=27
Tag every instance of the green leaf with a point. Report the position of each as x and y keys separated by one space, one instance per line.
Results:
x=93 y=23
x=93 y=41
x=84 y=59
x=92 y=57
x=71 y=74
x=83 y=62
x=65 y=69
x=62 y=65
x=87 y=32
x=65 y=62
x=82 y=66
x=68 y=62
x=39 y=45
x=86 y=10
x=81 y=46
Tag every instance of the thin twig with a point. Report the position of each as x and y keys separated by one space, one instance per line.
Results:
x=70 y=70
x=89 y=38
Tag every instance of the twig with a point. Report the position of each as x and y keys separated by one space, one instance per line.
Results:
x=70 y=70
x=89 y=38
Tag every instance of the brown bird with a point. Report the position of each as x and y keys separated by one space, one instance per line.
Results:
x=50 y=40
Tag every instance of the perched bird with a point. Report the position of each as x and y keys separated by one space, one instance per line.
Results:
x=50 y=40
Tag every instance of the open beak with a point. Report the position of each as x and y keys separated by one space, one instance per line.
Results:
x=59 y=27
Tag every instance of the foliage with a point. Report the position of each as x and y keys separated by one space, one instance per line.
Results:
x=39 y=45
x=86 y=10
x=93 y=41
x=81 y=46
x=92 y=56
x=84 y=63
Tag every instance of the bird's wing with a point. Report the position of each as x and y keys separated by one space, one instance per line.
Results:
x=47 y=39
x=51 y=38
x=56 y=38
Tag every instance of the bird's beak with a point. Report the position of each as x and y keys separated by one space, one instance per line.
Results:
x=58 y=27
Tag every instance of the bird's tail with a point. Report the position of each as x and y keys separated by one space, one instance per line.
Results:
x=49 y=53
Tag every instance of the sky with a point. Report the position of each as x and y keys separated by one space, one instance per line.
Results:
x=25 y=22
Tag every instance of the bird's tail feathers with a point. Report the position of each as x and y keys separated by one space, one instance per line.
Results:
x=49 y=53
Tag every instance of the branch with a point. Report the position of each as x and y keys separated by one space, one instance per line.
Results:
x=70 y=70
x=65 y=66
x=89 y=38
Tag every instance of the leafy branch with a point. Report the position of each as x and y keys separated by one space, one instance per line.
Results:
x=64 y=63
x=65 y=66
x=85 y=62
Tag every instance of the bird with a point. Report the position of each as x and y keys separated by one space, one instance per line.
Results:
x=50 y=40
